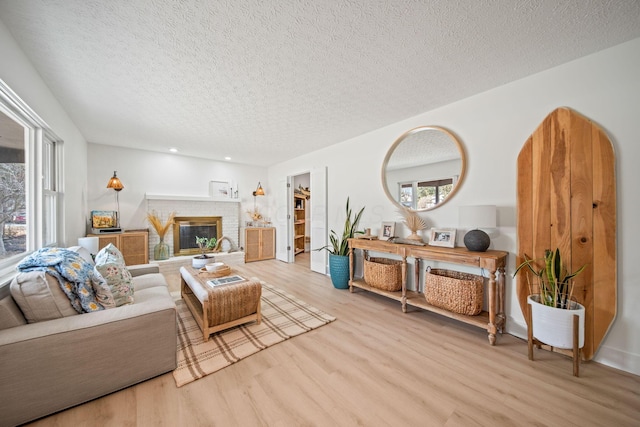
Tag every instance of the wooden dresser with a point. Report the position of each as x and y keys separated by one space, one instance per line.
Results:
x=492 y=261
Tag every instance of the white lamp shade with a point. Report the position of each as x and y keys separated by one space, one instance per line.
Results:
x=482 y=216
x=90 y=244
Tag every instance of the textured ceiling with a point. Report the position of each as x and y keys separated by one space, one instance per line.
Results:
x=264 y=81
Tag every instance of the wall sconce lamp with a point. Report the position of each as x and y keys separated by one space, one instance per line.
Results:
x=259 y=191
x=117 y=185
x=477 y=217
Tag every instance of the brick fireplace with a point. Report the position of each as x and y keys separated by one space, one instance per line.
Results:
x=228 y=211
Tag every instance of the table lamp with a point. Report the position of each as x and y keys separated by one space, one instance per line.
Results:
x=90 y=244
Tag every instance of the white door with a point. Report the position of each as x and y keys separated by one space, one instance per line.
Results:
x=318 y=215
x=283 y=223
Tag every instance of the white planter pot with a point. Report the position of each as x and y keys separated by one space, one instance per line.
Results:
x=554 y=326
x=198 y=263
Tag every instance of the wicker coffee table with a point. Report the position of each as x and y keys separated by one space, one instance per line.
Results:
x=219 y=307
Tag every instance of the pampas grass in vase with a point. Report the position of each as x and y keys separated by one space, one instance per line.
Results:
x=414 y=223
x=161 y=250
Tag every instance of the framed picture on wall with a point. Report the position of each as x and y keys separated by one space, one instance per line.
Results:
x=387 y=230
x=220 y=189
x=443 y=237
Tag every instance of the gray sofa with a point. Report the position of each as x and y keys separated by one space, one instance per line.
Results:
x=52 y=365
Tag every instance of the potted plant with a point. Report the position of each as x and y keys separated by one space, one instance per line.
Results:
x=552 y=308
x=204 y=243
x=339 y=250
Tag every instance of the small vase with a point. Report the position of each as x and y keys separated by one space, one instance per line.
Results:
x=161 y=251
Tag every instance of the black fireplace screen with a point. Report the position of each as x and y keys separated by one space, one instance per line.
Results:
x=186 y=229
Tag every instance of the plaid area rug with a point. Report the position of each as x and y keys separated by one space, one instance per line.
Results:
x=283 y=317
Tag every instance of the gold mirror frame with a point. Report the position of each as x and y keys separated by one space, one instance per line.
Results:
x=404 y=137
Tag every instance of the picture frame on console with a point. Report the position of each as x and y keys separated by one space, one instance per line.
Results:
x=387 y=230
x=445 y=237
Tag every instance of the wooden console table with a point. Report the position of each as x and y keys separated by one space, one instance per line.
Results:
x=493 y=261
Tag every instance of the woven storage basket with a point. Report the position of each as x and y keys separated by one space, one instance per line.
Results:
x=383 y=273
x=454 y=291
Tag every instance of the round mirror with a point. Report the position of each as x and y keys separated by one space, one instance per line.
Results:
x=423 y=168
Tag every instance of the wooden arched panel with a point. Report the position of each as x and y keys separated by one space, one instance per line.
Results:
x=567 y=200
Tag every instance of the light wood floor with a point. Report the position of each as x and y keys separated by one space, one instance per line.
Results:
x=375 y=366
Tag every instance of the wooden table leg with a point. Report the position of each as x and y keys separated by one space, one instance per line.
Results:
x=491 y=327
x=529 y=332
x=501 y=319
x=417 y=274
x=404 y=283
x=576 y=345
x=351 y=270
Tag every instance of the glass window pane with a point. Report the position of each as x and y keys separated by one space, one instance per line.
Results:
x=406 y=195
x=13 y=197
x=49 y=219
x=48 y=165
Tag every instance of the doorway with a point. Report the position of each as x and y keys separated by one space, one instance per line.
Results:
x=315 y=225
x=302 y=205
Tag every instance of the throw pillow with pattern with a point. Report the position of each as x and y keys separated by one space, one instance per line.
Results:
x=111 y=272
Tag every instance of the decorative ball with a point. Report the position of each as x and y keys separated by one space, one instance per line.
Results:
x=477 y=240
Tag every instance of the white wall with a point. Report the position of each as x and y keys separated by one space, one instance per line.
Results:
x=18 y=73
x=168 y=174
x=493 y=126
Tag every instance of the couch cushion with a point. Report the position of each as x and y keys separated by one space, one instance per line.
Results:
x=111 y=271
x=10 y=314
x=149 y=281
x=39 y=297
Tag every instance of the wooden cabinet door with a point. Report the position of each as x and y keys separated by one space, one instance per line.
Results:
x=260 y=243
x=134 y=248
x=105 y=240
x=252 y=244
x=268 y=243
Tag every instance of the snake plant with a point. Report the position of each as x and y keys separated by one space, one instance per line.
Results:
x=555 y=282
x=339 y=244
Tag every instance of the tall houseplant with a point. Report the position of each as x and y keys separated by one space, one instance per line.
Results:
x=339 y=249
x=552 y=310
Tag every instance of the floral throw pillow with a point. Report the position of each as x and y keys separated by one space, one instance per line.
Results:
x=112 y=273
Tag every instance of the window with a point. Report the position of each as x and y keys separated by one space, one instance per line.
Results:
x=430 y=193
x=30 y=196
x=425 y=194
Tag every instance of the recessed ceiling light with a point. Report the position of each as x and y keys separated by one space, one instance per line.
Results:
x=227 y=158
x=173 y=150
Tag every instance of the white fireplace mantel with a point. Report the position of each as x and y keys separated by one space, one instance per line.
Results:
x=150 y=196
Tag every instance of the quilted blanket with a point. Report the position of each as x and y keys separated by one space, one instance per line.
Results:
x=73 y=272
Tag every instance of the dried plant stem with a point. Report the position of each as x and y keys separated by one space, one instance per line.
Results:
x=157 y=224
